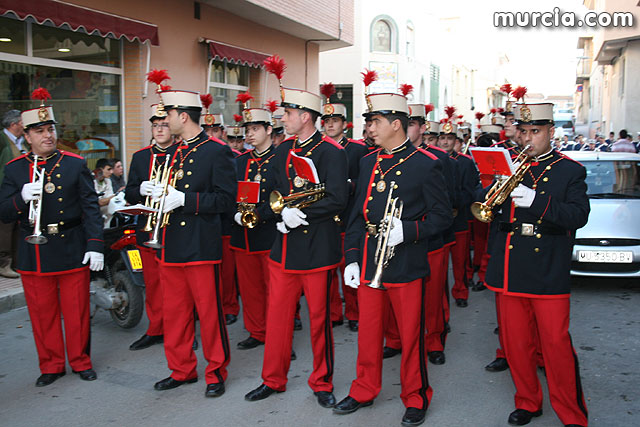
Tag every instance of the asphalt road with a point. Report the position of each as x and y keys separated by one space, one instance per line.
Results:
x=604 y=326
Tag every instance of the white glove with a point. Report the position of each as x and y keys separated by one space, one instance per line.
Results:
x=282 y=228
x=352 y=275
x=156 y=192
x=293 y=217
x=174 y=200
x=31 y=191
x=95 y=260
x=523 y=196
x=396 y=236
x=237 y=217
x=146 y=188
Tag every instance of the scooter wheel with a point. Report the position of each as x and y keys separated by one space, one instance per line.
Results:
x=128 y=315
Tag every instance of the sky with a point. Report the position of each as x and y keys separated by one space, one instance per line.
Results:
x=543 y=59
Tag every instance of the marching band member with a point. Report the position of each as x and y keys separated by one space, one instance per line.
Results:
x=306 y=251
x=66 y=234
x=416 y=179
x=138 y=188
x=252 y=242
x=536 y=227
x=203 y=174
x=334 y=117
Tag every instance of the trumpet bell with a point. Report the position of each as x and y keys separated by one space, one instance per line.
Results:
x=276 y=201
x=482 y=212
x=376 y=284
x=249 y=219
x=36 y=239
x=154 y=244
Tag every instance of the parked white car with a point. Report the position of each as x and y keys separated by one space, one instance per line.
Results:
x=609 y=245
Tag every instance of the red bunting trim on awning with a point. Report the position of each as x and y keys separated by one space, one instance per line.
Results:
x=236 y=55
x=79 y=17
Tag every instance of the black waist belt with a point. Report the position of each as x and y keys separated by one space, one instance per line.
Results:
x=526 y=229
x=56 y=227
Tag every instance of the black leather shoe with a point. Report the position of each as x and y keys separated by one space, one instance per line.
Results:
x=47 y=379
x=413 y=417
x=230 y=319
x=194 y=346
x=436 y=357
x=214 y=390
x=461 y=302
x=169 y=383
x=447 y=328
x=335 y=323
x=349 y=405
x=293 y=354
x=479 y=286
x=262 y=392
x=87 y=375
x=297 y=324
x=353 y=325
x=249 y=343
x=496 y=331
x=388 y=352
x=326 y=399
x=146 y=341
x=498 y=365
x=521 y=417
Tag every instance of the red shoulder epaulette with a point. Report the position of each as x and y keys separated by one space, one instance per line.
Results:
x=148 y=147
x=428 y=154
x=357 y=141
x=466 y=155
x=18 y=158
x=219 y=141
x=372 y=152
x=437 y=148
x=70 y=154
x=331 y=141
x=564 y=156
x=235 y=152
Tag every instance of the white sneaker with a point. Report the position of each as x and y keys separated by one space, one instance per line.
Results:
x=7 y=271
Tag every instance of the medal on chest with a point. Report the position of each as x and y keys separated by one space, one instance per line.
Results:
x=381 y=186
x=298 y=182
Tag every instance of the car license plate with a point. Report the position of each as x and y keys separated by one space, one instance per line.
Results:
x=134 y=259
x=625 y=257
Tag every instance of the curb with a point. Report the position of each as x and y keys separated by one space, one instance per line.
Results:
x=12 y=299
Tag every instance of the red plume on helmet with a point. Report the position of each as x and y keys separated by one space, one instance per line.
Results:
x=406 y=89
x=369 y=76
x=428 y=108
x=494 y=110
x=349 y=125
x=158 y=76
x=237 y=118
x=506 y=88
x=164 y=88
x=275 y=65
x=500 y=110
x=244 y=97
x=327 y=90
x=41 y=94
x=479 y=115
x=519 y=92
x=206 y=100
x=271 y=105
x=449 y=110
x=460 y=116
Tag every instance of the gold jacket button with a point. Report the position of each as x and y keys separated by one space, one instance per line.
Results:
x=59 y=187
x=536 y=249
x=189 y=173
x=57 y=175
x=182 y=223
x=305 y=231
x=510 y=246
x=398 y=172
x=538 y=236
x=61 y=222
x=186 y=186
x=511 y=233
x=190 y=160
x=61 y=212
x=62 y=235
x=370 y=198
x=59 y=199
x=545 y=179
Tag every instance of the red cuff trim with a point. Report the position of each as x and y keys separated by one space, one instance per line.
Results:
x=417 y=231
x=14 y=204
x=197 y=202
x=351 y=249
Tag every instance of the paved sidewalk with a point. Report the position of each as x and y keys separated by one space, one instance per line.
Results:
x=11 y=294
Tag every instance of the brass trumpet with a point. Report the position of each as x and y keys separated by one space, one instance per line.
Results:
x=148 y=201
x=300 y=199
x=35 y=208
x=248 y=215
x=159 y=219
x=501 y=190
x=384 y=253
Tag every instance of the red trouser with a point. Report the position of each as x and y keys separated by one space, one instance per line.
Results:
x=284 y=292
x=336 y=299
x=520 y=319
x=480 y=240
x=459 y=260
x=445 y=295
x=152 y=290
x=252 y=281
x=435 y=333
x=45 y=306
x=182 y=287
x=500 y=350
x=228 y=273
x=407 y=302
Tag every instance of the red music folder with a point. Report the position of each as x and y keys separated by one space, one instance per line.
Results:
x=492 y=161
x=305 y=168
x=248 y=192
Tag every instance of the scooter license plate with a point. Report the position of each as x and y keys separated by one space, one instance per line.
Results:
x=134 y=259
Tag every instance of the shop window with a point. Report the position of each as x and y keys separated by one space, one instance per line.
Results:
x=226 y=81
x=85 y=82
